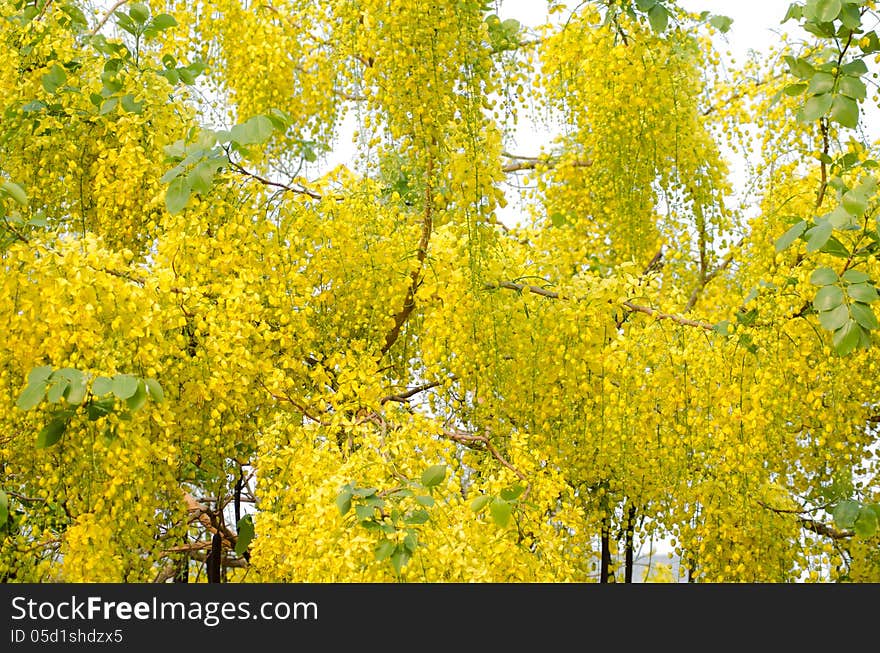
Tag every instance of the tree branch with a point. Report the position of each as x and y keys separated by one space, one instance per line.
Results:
x=520 y=163
x=482 y=442
x=409 y=303
x=705 y=279
x=110 y=12
x=637 y=308
x=411 y=392
x=274 y=184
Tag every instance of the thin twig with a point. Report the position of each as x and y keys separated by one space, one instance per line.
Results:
x=106 y=17
x=274 y=184
x=704 y=281
x=637 y=308
x=403 y=396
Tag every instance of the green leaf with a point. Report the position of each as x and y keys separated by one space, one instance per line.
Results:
x=721 y=23
x=399 y=558
x=124 y=385
x=722 y=328
x=136 y=401
x=835 y=318
x=793 y=90
x=57 y=388
x=39 y=374
x=823 y=277
x=845 y=111
x=821 y=83
x=645 y=5
x=480 y=502
x=818 y=236
x=32 y=395
x=4 y=509
x=343 y=501
x=101 y=386
x=855 y=276
x=245 y=530
x=855 y=203
x=14 y=191
x=108 y=106
x=800 y=68
x=853 y=87
x=835 y=248
x=795 y=11
x=163 y=22
x=786 y=239
x=868 y=185
x=411 y=540
x=864 y=315
x=856 y=67
x=253 y=131
x=364 y=492
x=171 y=75
x=98 y=408
x=815 y=107
x=862 y=292
x=425 y=500
x=847 y=338
x=155 y=390
x=845 y=513
x=76 y=390
x=512 y=493
x=129 y=104
x=51 y=433
x=827 y=10
x=850 y=16
x=177 y=195
x=866 y=523
x=839 y=218
x=54 y=79
x=201 y=177
x=189 y=73
x=434 y=475
x=828 y=298
x=501 y=511
x=139 y=13
x=658 y=17
x=384 y=549
x=364 y=512
x=417 y=517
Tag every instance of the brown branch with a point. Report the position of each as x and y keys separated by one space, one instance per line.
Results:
x=184 y=548
x=824 y=529
x=820 y=528
x=201 y=513
x=823 y=184
x=239 y=563
x=409 y=303
x=286 y=397
x=659 y=315
x=274 y=184
x=531 y=162
x=166 y=573
x=411 y=392
x=482 y=442
x=637 y=308
x=15 y=232
x=705 y=279
x=106 y=17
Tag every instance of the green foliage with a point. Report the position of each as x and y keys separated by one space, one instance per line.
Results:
x=70 y=387
x=246 y=532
